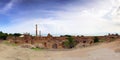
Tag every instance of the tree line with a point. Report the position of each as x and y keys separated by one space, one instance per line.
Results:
x=3 y=36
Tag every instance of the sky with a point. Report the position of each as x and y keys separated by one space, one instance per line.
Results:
x=60 y=17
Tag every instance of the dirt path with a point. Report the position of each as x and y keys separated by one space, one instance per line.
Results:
x=104 y=51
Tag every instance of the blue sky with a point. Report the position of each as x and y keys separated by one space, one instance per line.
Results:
x=59 y=17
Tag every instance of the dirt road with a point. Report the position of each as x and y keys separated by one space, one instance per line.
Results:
x=103 y=51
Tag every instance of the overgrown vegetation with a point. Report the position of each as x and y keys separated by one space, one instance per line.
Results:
x=96 y=39
x=16 y=34
x=37 y=49
x=3 y=36
x=102 y=40
x=8 y=43
x=70 y=43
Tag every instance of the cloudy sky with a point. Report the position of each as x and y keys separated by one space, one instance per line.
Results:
x=60 y=17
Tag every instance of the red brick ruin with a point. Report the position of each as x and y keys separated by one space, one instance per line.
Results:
x=57 y=42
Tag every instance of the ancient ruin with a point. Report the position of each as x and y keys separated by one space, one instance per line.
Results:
x=57 y=42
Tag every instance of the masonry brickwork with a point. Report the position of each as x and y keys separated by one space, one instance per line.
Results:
x=50 y=41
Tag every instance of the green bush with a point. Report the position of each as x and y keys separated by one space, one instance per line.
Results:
x=96 y=39
x=3 y=36
x=70 y=43
x=37 y=49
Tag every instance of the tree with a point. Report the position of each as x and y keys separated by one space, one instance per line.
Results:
x=16 y=34
x=67 y=35
x=96 y=39
x=3 y=36
x=10 y=34
x=70 y=43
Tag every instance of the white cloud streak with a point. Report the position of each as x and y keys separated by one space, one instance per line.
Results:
x=75 y=21
x=8 y=6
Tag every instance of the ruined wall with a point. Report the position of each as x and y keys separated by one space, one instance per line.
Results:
x=57 y=42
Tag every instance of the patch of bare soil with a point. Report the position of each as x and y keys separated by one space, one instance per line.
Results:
x=103 y=51
x=117 y=50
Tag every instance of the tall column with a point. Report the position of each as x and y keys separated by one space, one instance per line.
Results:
x=40 y=33
x=36 y=30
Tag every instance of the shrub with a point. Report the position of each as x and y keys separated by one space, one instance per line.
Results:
x=96 y=39
x=3 y=36
x=37 y=49
x=70 y=43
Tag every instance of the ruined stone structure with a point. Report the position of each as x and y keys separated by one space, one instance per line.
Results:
x=57 y=42
x=50 y=41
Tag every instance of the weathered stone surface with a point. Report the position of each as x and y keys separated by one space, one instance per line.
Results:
x=52 y=41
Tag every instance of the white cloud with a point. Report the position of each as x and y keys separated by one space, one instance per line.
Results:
x=75 y=20
x=115 y=12
x=8 y=6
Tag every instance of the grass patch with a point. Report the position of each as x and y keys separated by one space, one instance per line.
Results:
x=8 y=43
x=102 y=40
x=5 y=42
x=37 y=49
x=13 y=44
x=112 y=40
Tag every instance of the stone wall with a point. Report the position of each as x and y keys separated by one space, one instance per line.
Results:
x=51 y=42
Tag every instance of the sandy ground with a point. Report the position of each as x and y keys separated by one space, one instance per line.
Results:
x=103 y=51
